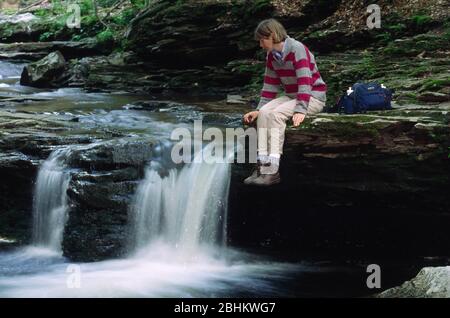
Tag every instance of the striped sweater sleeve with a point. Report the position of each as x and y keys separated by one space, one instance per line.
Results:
x=271 y=85
x=304 y=79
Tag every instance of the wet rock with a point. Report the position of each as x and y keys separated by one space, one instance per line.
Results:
x=113 y=154
x=236 y=99
x=98 y=215
x=26 y=141
x=44 y=73
x=15 y=160
x=158 y=105
x=20 y=28
x=103 y=179
x=17 y=18
x=433 y=97
x=107 y=73
x=187 y=113
x=38 y=50
x=17 y=172
x=100 y=197
x=36 y=135
x=218 y=25
x=367 y=185
x=431 y=282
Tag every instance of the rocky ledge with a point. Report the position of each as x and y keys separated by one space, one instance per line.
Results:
x=352 y=184
x=431 y=282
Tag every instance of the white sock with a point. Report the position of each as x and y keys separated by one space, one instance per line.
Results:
x=263 y=158
x=275 y=159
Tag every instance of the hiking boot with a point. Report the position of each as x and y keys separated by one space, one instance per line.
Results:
x=267 y=179
x=255 y=174
x=268 y=175
x=269 y=168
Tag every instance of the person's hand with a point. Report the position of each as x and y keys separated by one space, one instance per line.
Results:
x=297 y=119
x=250 y=117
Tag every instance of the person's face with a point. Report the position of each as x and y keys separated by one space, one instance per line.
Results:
x=266 y=43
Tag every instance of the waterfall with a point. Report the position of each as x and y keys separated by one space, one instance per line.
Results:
x=185 y=208
x=10 y=70
x=50 y=201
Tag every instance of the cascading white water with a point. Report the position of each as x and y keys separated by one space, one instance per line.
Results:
x=50 y=201
x=10 y=70
x=176 y=217
x=186 y=209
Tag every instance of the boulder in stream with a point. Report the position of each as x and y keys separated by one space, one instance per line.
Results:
x=45 y=72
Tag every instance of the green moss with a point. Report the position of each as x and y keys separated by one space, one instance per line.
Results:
x=413 y=46
x=317 y=34
x=419 y=71
x=348 y=126
x=46 y=36
x=434 y=85
x=409 y=97
x=9 y=11
x=125 y=17
x=384 y=37
x=105 y=36
x=53 y=20
x=41 y=12
x=421 y=20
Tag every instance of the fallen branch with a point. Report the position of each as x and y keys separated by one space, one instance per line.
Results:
x=30 y=6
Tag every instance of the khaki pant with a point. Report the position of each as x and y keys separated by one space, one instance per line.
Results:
x=271 y=122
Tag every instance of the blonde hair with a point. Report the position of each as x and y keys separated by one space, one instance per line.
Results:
x=271 y=26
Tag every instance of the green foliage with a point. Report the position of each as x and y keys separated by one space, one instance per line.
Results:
x=105 y=36
x=416 y=45
x=446 y=34
x=421 y=20
x=46 y=36
x=89 y=21
x=383 y=38
x=139 y=4
x=8 y=11
x=434 y=85
x=77 y=37
x=57 y=7
x=419 y=71
x=55 y=26
x=125 y=16
x=41 y=12
x=86 y=7
x=367 y=68
x=397 y=28
x=317 y=34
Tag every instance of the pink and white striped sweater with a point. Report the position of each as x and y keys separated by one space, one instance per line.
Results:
x=297 y=72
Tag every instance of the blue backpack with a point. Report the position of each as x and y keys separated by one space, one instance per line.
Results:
x=365 y=97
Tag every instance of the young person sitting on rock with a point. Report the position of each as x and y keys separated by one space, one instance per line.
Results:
x=289 y=64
